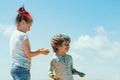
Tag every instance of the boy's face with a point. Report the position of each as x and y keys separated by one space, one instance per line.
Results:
x=63 y=48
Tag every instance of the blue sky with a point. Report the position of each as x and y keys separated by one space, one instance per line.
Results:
x=93 y=26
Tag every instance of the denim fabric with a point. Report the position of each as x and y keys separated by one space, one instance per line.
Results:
x=20 y=73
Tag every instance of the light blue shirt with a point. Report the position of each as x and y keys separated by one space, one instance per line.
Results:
x=16 y=50
x=62 y=67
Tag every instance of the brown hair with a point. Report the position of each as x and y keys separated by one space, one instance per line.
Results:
x=58 y=40
x=23 y=15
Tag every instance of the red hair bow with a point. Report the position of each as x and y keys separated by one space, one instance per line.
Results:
x=24 y=12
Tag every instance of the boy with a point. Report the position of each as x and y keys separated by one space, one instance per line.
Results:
x=62 y=63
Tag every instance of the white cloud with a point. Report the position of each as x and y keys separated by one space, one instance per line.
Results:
x=99 y=43
x=101 y=30
x=79 y=58
x=6 y=29
x=99 y=57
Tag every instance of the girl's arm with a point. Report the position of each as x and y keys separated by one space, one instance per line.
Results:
x=29 y=53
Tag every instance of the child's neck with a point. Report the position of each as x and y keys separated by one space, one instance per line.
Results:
x=61 y=54
x=20 y=28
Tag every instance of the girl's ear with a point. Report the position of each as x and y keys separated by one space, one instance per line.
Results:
x=23 y=22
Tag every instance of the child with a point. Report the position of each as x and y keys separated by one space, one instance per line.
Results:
x=62 y=63
x=20 y=50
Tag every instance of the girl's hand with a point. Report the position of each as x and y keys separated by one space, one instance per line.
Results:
x=43 y=51
x=56 y=77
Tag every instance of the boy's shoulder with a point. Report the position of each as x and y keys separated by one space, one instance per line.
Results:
x=54 y=57
x=67 y=55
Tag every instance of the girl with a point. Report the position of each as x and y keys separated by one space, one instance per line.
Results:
x=20 y=50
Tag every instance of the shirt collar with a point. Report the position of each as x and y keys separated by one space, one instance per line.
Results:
x=59 y=56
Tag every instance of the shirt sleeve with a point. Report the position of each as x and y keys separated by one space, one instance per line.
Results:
x=23 y=37
x=51 y=69
x=74 y=71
